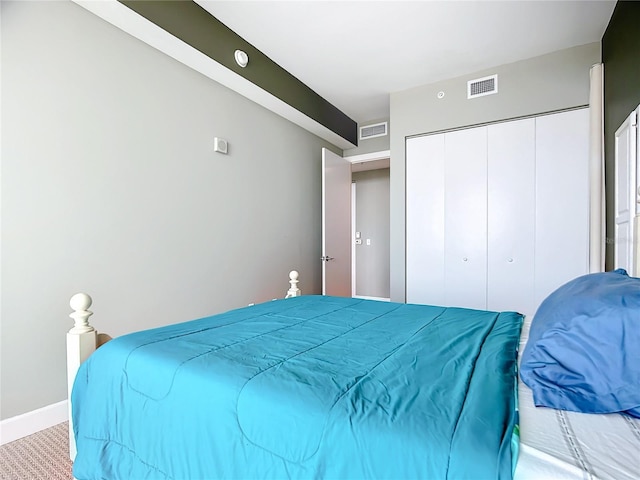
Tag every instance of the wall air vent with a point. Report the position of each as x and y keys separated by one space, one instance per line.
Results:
x=371 y=131
x=482 y=86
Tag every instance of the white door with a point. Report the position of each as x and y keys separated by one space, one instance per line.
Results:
x=447 y=219
x=336 y=225
x=562 y=200
x=625 y=194
x=425 y=220
x=465 y=218
x=511 y=206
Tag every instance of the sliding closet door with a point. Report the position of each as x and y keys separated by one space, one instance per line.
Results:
x=511 y=214
x=562 y=199
x=497 y=216
x=465 y=218
x=425 y=220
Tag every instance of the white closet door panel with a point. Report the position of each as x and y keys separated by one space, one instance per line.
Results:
x=562 y=200
x=511 y=214
x=466 y=218
x=425 y=220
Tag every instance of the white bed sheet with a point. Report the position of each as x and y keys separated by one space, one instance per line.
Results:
x=562 y=445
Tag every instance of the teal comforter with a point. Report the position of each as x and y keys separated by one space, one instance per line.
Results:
x=308 y=387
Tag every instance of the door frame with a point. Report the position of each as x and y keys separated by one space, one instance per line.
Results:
x=369 y=157
x=353 y=236
x=354 y=159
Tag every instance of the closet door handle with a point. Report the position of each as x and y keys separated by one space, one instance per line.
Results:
x=510 y=260
x=464 y=259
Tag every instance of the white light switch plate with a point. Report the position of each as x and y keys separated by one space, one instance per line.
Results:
x=220 y=145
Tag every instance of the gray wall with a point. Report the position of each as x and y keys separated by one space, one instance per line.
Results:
x=372 y=220
x=110 y=186
x=547 y=83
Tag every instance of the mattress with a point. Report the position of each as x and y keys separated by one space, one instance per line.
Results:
x=563 y=445
x=308 y=387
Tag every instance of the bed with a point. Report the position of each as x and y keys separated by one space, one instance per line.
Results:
x=565 y=445
x=328 y=387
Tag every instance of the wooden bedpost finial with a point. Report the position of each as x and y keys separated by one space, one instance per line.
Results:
x=294 y=291
x=81 y=342
x=80 y=303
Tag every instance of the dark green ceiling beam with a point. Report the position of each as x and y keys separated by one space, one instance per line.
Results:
x=192 y=24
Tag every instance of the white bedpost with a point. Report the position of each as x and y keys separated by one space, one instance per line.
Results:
x=293 y=291
x=81 y=342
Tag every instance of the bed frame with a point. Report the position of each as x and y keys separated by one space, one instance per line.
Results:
x=83 y=340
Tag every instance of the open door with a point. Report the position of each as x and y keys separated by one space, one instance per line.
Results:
x=336 y=225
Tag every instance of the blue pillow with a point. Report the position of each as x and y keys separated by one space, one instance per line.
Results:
x=583 y=352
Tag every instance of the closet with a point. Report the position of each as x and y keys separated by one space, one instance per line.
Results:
x=497 y=215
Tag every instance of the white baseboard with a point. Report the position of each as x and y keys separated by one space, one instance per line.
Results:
x=31 y=422
x=365 y=297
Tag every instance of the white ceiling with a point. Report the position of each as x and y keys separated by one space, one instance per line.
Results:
x=355 y=53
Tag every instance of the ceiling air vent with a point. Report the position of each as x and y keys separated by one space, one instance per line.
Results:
x=371 y=131
x=482 y=86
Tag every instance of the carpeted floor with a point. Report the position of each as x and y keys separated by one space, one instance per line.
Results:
x=41 y=456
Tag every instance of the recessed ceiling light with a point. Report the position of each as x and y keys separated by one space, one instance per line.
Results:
x=241 y=57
